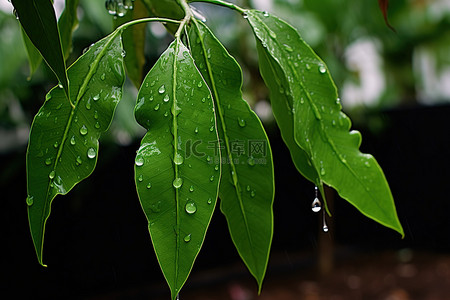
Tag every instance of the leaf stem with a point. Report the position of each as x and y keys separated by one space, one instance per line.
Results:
x=222 y=3
x=146 y=20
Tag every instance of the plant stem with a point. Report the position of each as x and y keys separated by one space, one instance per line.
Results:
x=145 y=20
x=222 y=3
x=188 y=15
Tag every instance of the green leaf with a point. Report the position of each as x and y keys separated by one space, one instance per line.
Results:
x=321 y=129
x=38 y=20
x=247 y=184
x=63 y=143
x=67 y=24
x=134 y=42
x=177 y=178
x=34 y=57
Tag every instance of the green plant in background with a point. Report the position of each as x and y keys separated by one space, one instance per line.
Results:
x=203 y=141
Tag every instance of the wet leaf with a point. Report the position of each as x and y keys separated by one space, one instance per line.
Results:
x=63 y=145
x=67 y=23
x=321 y=129
x=176 y=177
x=247 y=184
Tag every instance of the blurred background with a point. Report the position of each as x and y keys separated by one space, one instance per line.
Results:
x=395 y=86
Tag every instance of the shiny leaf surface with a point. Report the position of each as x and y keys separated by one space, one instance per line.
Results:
x=177 y=178
x=247 y=185
x=321 y=129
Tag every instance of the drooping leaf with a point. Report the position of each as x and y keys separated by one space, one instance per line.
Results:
x=134 y=42
x=177 y=177
x=63 y=144
x=67 y=23
x=247 y=184
x=321 y=129
x=384 y=4
x=34 y=57
x=38 y=20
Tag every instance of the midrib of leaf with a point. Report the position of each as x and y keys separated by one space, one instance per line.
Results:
x=318 y=117
x=175 y=151
x=227 y=143
x=80 y=94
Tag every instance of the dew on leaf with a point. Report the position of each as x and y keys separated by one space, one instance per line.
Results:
x=322 y=69
x=178 y=159
x=48 y=161
x=162 y=89
x=156 y=107
x=177 y=182
x=149 y=185
x=96 y=97
x=190 y=207
x=30 y=200
x=139 y=161
x=72 y=140
x=78 y=161
x=241 y=122
x=91 y=153
x=209 y=201
x=166 y=98
x=52 y=174
x=141 y=178
x=191 y=189
x=83 y=130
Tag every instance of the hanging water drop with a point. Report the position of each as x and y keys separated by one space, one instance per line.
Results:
x=91 y=153
x=245 y=15
x=111 y=7
x=177 y=182
x=190 y=207
x=324 y=226
x=316 y=206
x=162 y=89
x=83 y=130
x=121 y=10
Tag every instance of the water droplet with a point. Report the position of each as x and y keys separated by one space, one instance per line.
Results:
x=211 y=128
x=252 y=194
x=141 y=178
x=324 y=221
x=91 y=153
x=162 y=89
x=208 y=158
x=288 y=48
x=203 y=100
x=322 y=171
x=196 y=130
x=200 y=83
x=30 y=200
x=216 y=168
x=209 y=201
x=111 y=7
x=83 y=130
x=187 y=239
x=48 y=161
x=149 y=185
x=139 y=161
x=316 y=206
x=308 y=67
x=88 y=104
x=55 y=145
x=103 y=76
x=60 y=85
x=241 y=122
x=128 y=4
x=124 y=53
x=97 y=125
x=322 y=69
x=177 y=183
x=248 y=188
x=72 y=140
x=191 y=189
x=251 y=161
x=121 y=10
x=178 y=159
x=79 y=161
x=338 y=101
x=245 y=15
x=52 y=174
x=166 y=98
x=190 y=207
x=156 y=107
x=96 y=97
x=211 y=178
x=59 y=106
x=266 y=14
